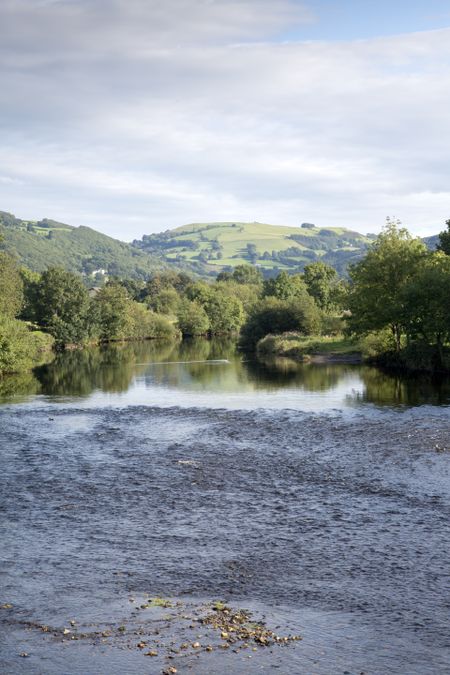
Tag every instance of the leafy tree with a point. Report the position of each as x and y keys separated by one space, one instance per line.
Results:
x=444 y=239
x=247 y=274
x=224 y=310
x=285 y=286
x=164 y=302
x=320 y=279
x=225 y=275
x=248 y=294
x=200 y=292
x=134 y=287
x=162 y=281
x=192 y=318
x=378 y=281
x=427 y=302
x=225 y=313
x=110 y=308
x=62 y=306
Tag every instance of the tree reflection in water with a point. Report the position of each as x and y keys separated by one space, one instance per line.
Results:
x=115 y=368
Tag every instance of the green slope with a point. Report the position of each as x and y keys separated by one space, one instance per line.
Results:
x=47 y=243
x=202 y=248
x=210 y=247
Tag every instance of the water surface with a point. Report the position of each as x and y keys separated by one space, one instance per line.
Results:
x=213 y=374
x=318 y=496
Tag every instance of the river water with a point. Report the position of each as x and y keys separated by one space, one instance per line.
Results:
x=316 y=496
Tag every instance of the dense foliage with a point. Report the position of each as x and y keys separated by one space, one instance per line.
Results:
x=402 y=287
x=274 y=315
x=20 y=348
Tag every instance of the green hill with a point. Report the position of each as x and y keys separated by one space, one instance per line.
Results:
x=47 y=243
x=210 y=247
x=201 y=248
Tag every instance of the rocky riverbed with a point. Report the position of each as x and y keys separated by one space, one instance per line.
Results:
x=143 y=539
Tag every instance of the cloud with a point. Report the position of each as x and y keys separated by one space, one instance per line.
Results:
x=137 y=116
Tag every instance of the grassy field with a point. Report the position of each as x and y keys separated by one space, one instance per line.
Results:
x=215 y=246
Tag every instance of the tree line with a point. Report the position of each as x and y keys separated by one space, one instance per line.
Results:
x=396 y=298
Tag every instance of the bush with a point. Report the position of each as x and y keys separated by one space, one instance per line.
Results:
x=142 y=323
x=20 y=349
x=374 y=344
x=275 y=316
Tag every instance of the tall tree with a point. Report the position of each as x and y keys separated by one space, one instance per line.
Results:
x=285 y=286
x=62 y=306
x=427 y=303
x=378 y=281
x=110 y=306
x=320 y=279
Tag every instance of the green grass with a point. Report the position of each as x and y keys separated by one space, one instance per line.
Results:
x=297 y=346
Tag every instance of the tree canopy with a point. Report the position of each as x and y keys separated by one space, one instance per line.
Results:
x=378 y=281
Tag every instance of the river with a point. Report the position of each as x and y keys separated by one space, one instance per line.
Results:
x=314 y=496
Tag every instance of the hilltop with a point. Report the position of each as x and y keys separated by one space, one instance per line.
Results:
x=210 y=247
x=46 y=243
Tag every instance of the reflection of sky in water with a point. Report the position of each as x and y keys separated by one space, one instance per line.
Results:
x=226 y=389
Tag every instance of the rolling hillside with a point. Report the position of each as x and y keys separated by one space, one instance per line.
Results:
x=200 y=248
x=46 y=243
x=211 y=247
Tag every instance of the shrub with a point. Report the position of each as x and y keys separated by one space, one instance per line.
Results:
x=275 y=316
x=20 y=349
x=141 y=323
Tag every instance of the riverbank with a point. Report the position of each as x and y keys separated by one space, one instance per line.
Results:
x=315 y=349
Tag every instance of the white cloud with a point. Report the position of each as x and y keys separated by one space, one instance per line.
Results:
x=158 y=114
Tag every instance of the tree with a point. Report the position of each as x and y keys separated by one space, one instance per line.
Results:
x=110 y=306
x=164 y=302
x=62 y=306
x=378 y=281
x=225 y=313
x=192 y=318
x=427 y=306
x=248 y=294
x=320 y=279
x=444 y=240
x=285 y=286
x=247 y=274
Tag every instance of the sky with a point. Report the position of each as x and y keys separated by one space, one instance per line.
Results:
x=137 y=116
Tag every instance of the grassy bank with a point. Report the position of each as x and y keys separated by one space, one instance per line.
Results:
x=313 y=348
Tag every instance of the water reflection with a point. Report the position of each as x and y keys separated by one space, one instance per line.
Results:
x=215 y=373
x=396 y=389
